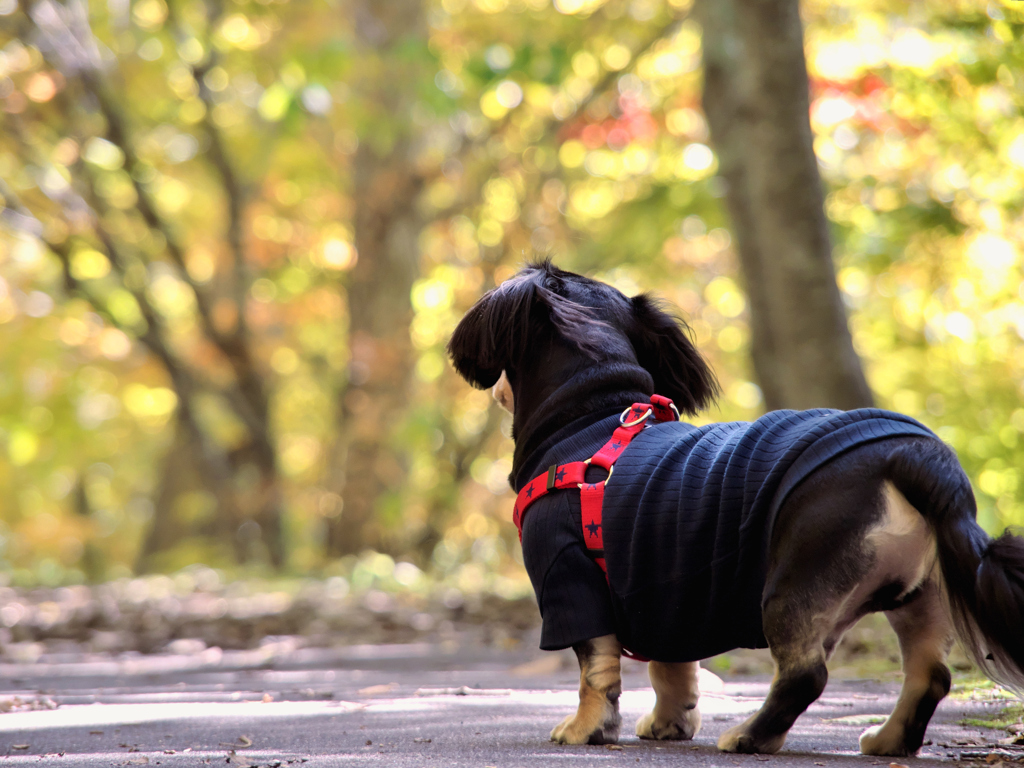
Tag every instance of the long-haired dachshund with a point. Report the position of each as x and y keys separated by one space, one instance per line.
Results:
x=781 y=532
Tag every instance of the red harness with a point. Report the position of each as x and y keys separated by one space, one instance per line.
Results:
x=632 y=421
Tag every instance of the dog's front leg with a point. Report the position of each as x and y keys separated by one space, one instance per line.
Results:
x=675 y=714
x=597 y=720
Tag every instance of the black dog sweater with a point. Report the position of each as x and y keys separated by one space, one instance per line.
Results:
x=687 y=519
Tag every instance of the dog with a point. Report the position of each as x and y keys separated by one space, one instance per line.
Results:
x=782 y=532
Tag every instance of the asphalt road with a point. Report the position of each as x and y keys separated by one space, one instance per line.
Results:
x=410 y=705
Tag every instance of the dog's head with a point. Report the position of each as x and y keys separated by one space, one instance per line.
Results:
x=545 y=327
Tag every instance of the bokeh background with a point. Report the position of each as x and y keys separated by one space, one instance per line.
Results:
x=236 y=236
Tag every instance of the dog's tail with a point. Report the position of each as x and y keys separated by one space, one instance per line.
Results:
x=984 y=577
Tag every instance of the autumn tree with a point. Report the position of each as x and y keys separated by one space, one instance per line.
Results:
x=122 y=251
x=380 y=165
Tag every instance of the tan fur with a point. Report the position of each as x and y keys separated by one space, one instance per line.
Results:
x=730 y=740
x=903 y=542
x=904 y=548
x=597 y=718
x=502 y=392
x=675 y=714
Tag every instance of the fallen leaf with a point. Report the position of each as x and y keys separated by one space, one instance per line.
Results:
x=95 y=733
x=377 y=690
x=614 y=747
x=235 y=759
x=464 y=690
x=368 y=742
x=267 y=698
x=857 y=719
x=898 y=765
x=419 y=740
x=243 y=741
x=19 y=746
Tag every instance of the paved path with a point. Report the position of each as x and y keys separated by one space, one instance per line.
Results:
x=411 y=706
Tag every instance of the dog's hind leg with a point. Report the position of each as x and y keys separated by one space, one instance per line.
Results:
x=800 y=678
x=926 y=635
x=597 y=719
x=675 y=715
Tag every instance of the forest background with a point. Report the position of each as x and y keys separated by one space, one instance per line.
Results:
x=236 y=236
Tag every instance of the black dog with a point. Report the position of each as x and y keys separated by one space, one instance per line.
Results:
x=779 y=533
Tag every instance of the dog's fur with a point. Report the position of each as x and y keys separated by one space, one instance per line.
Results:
x=888 y=526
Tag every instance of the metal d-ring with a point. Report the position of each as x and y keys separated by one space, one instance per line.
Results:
x=623 y=422
x=610 y=470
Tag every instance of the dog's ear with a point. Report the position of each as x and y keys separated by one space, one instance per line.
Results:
x=679 y=370
x=517 y=316
x=475 y=347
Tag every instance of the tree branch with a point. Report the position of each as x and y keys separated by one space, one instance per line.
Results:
x=217 y=153
x=215 y=464
x=57 y=31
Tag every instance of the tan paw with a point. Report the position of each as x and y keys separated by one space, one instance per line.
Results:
x=577 y=730
x=875 y=741
x=681 y=729
x=736 y=739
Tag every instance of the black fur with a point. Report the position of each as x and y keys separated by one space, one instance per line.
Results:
x=678 y=369
x=940 y=684
x=571 y=346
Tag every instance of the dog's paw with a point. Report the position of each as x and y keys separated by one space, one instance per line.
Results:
x=737 y=739
x=580 y=730
x=877 y=741
x=682 y=729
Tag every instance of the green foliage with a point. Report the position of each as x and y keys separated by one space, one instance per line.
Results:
x=569 y=129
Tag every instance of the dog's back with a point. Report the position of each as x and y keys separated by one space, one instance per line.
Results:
x=689 y=516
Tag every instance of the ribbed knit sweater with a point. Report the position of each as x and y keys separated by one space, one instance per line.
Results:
x=687 y=519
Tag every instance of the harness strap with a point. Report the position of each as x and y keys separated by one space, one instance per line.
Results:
x=632 y=422
x=571 y=475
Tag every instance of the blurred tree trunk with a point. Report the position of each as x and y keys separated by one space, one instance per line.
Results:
x=386 y=186
x=177 y=475
x=756 y=101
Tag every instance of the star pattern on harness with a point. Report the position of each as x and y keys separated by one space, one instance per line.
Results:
x=559 y=475
x=616 y=445
x=593 y=528
x=529 y=491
